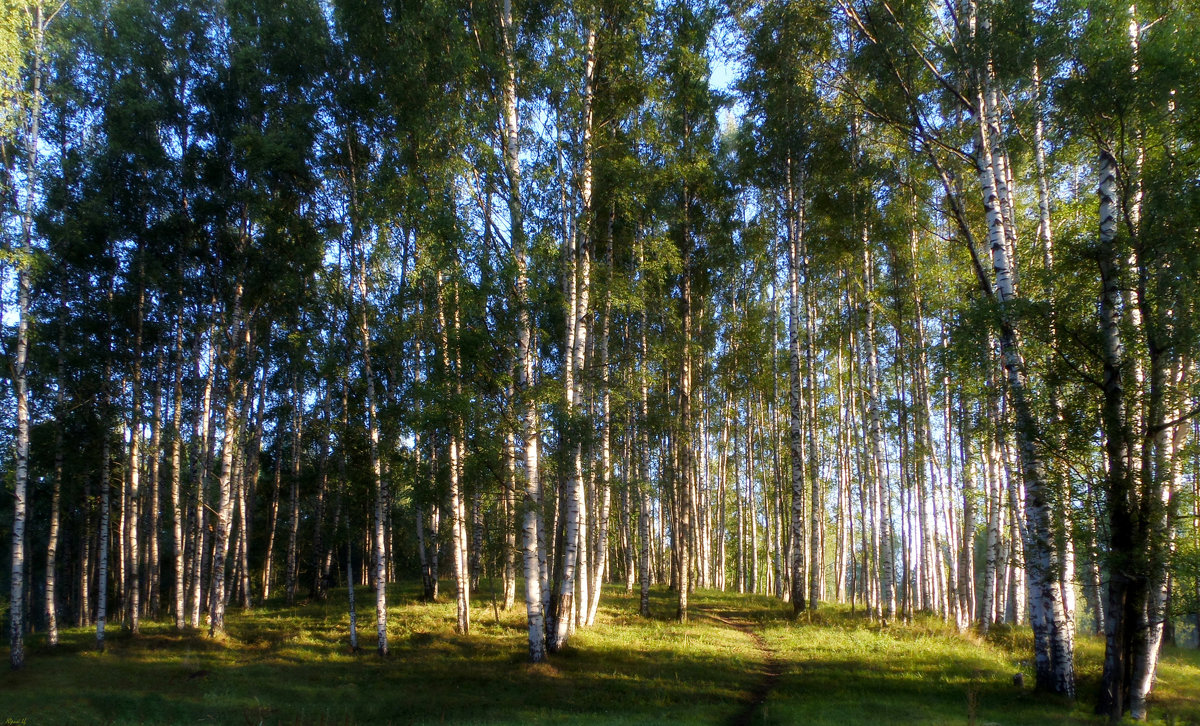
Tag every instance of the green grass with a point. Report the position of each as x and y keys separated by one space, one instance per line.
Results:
x=281 y=665
x=843 y=669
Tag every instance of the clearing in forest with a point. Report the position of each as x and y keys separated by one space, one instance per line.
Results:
x=739 y=661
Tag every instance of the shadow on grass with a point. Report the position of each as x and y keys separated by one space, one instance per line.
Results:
x=293 y=665
x=284 y=664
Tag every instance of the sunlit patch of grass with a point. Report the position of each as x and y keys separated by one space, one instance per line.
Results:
x=847 y=669
x=293 y=665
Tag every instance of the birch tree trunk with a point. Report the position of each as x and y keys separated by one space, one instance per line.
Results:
x=201 y=462
x=350 y=584
x=881 y=541
x=293 y=556
x=795 y=399
x=379 y=562
x=1120 y=620
x=21 y=354
x=102 y=549
x=510 y=519
x=217 y=594
x=56 y=496
x=1053 y=646
x=577 y=248
x=600 y=552
x=643 y=456
x=153 y=471
x=532 y=503
x=131 y=519
x=458 y=544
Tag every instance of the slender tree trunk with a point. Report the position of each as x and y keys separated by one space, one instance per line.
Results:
x=600 y=554
x=578 y=254
x=966 y=557
x=319 y=545
x=56 y=496
x=1122 y=589
x=379 y=562
x=224 y=511
x=21 y=354
x=1053 y=647
x=643 y=456
x=683 y=437
x=202 y=460
x=458 y=544
x=795 y=395
x=293 y=560
x=102 y=549
x=532 y=505
x=510 y=521
x=178 y=508
x=350 y=584
x=153 y=471
x=881 y=541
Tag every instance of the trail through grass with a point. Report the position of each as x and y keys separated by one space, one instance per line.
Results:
x=740 y=660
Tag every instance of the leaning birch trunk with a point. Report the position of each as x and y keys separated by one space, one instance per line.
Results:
x=532 y=504
x=1053 y=646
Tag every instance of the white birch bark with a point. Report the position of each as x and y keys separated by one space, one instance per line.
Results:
x=457 y=506
x=795 y=398
x=131 y=520
x=533 y=544
x=1167 y=476
x=379 y=548
x=224 y=510
x=1053 y=648
x=102 y=549
x=201 y=461
x=152 y=473
x=578 y=255
x=21 y=354
x=881 y=543
x=600 y=553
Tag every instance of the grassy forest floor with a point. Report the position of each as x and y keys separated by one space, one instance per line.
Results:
x=739 y=661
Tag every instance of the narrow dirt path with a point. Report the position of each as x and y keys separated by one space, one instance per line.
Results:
x=772 y=668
